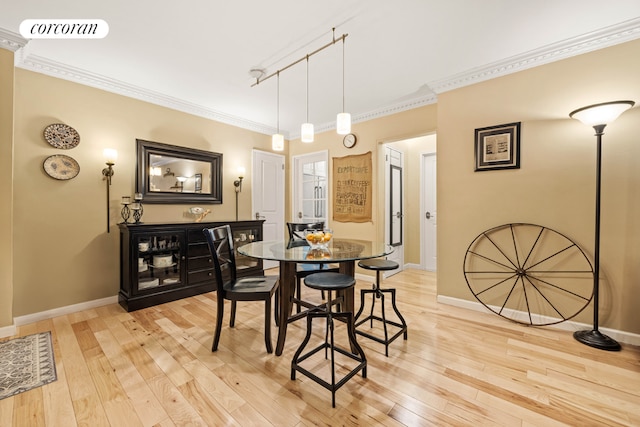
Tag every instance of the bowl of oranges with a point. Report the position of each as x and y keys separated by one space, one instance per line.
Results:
x=318 y=238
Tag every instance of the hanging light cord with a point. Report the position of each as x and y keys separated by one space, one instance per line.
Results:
x=307 y=88
x=278 y=104
x=343 y=74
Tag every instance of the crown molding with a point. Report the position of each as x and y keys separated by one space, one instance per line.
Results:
x=56 y=69
x=606 y=37
x=600 y=39
x=398 y=107
x=11 y=41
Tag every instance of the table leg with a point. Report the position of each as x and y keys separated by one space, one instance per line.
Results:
x=287 y=283
x=349 y=268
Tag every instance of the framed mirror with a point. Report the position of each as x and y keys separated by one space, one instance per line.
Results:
x=176 y=175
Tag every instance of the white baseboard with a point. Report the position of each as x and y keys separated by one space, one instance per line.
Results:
x=620 y=336
x=7 y=331
x=61 y=311
x=413 y=266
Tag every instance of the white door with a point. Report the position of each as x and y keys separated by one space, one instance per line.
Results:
x=267 y=196
x=394 y=204
x=429 y=223
x=310 y=187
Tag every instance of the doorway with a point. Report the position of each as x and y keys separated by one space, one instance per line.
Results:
x=267 y=195
x=394 y=205
x=429 y=223
x=310 y=187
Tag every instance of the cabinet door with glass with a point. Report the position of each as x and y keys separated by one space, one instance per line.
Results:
x=160 y=261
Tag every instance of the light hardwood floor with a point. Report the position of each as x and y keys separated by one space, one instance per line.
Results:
x=154 y=367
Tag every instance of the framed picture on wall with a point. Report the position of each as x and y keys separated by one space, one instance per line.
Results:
x=497 y=147
x=198 y=183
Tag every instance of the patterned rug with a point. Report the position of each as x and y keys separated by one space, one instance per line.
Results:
x=26 y=363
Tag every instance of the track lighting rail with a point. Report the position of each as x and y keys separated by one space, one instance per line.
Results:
x=304 y=58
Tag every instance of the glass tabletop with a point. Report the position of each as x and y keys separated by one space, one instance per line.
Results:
x=298 y=251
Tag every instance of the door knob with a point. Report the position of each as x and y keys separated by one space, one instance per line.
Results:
x=258 y=216
x=428 y=215
x=399 y=215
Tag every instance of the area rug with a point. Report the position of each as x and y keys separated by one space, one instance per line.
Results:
x=26 y=363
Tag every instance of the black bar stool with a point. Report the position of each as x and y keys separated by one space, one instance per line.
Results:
x=380 y=265
x=329 y=282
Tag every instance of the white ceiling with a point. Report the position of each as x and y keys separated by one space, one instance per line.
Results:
x=195 y=55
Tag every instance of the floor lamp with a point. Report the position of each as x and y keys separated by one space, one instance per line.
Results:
x=598 y=116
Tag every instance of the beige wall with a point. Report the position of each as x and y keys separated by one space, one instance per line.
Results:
x=6 y=187
x=63 y=255
x=555 y=185
x=371 y=135
x=62 y=252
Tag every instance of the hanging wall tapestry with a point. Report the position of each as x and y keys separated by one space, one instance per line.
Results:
x=352 y=182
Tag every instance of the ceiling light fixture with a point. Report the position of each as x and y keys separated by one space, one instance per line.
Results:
x=256 y=73
x=343 y=123
x=306 y=130
x=343 y=120
x=277 y=140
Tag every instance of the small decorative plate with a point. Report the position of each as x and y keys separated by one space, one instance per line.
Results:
x=60 y=166
x=62 y=136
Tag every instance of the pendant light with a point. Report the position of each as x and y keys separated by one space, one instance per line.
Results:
x=277 y=140
x=343 y=120
x=306 y=130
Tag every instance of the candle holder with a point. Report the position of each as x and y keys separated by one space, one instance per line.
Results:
x=138 y=210
x=125 y=213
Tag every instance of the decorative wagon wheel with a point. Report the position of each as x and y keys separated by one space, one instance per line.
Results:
x=529 y=274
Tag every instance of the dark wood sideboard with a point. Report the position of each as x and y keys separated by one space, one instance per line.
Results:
x=165 y=262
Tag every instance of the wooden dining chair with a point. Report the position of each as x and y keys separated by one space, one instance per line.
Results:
x=297 y=238
x=233 y=288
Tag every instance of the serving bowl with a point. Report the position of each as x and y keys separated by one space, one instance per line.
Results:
x=318 y=238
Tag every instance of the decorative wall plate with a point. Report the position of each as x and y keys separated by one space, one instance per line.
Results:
x=60 y=166
x=61 y=136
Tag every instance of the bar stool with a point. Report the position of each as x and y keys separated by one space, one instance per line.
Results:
x=380 y=265
x=329 y=282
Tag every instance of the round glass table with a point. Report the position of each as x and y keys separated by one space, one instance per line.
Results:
x=344 y=252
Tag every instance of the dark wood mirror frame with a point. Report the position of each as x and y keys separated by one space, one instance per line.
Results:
x=147 y=148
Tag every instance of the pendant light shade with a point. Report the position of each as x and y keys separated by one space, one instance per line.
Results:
x=277 y=142
x=343 y=120
x=343 y=123
x=306 y=132
x=277 y=139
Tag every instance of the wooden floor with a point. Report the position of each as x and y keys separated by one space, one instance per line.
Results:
x=154 y=367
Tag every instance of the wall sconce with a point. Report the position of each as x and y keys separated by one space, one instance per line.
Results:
x=598 y=116
x=110 y=157
x=238 y=186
